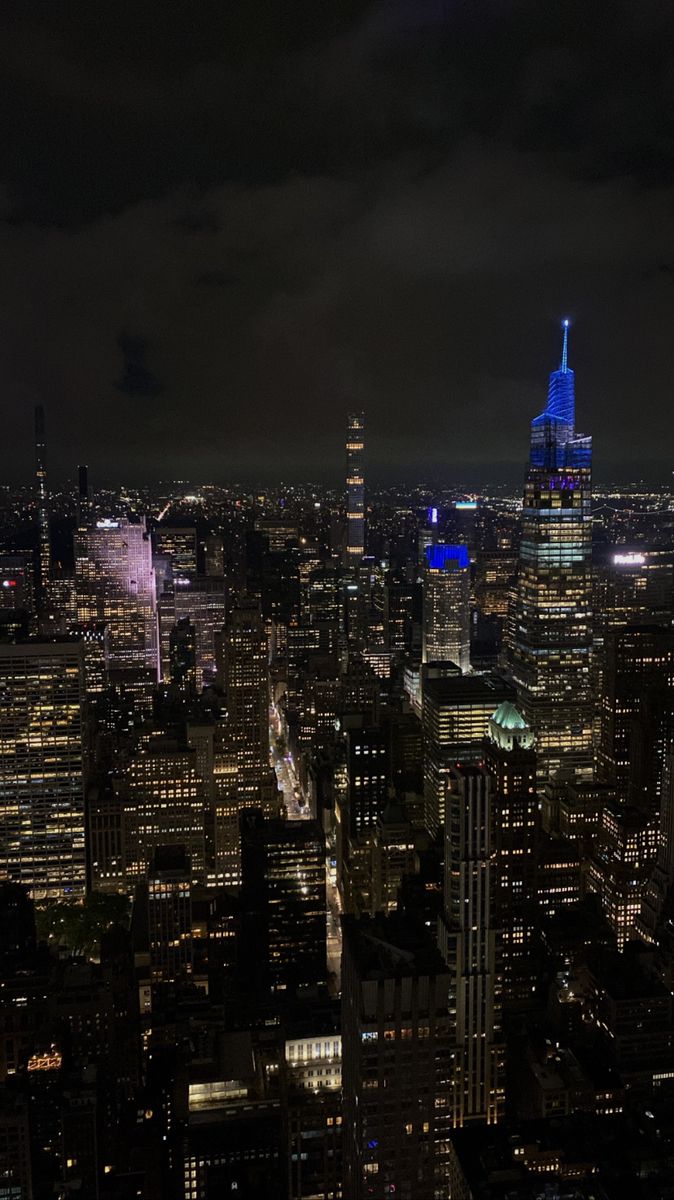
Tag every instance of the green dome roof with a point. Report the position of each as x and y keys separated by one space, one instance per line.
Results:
x=509 y=717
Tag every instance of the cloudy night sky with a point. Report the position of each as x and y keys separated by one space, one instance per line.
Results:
x=225 y=224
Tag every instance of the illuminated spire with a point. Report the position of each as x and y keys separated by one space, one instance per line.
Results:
x=565 y=345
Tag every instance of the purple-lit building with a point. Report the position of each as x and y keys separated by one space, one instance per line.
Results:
x=115 y=584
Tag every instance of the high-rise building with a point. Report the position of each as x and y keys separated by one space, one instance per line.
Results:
x=179 y=545
x=201 y=600
x=17 y=591
x=468 y=945
x=44 y=537
x=115 y=584
x=355 y=489
x=510 y=761
x=183 y=656
x=396 y=1060
x=169 y=901
x=283 y=899
x=624 y=853
x=367 y=767
x=661 y=879
x=446 y=583
x=455 y=714
x=83 y=496
x=400 y=603
x=553 y=634
x=165 y=803
x=41 y=767
x=638 y=668
x=246 y=680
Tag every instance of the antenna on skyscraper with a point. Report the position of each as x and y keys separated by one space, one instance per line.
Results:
x=565 y=345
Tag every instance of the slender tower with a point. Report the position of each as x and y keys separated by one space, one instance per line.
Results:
x=355 y=489
x=44 y=544
x=83 y=495
x=553 y=638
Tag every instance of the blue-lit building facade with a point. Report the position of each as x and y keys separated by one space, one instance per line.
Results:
x=553 y=631
x=446 y=615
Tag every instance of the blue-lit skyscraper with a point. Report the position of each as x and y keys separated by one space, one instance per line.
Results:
x=446 y=582
x=553 y=638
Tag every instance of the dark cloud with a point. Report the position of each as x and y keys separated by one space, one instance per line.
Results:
x=306 y=206
x=137 y=379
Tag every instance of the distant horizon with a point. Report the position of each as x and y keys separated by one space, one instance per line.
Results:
x=656 y=472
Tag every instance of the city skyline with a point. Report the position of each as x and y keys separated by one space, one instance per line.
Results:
x=336 y=645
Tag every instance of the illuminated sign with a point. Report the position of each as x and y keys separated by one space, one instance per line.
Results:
x=9 y=583
x=433 y=516
x=107 y=523
x=466 y=504
x=45 y=1062
x=629 y=560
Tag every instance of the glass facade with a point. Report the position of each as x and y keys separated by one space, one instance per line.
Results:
x=553 y=635
x=41 y=768
x=446 y=632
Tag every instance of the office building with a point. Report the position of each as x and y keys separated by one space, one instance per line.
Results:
x=199 y=599
x=179 y=545
x=355 y=489
x=17 y=591
x=553 y=626
x=283 y=900
x=456 y=712
x=468 y=945
x=510 y=761
x=367 y=766
x=397 y=1060
x=115 y=584
x=165 y=804
x=169 y=901
x=42 y=767
x=84 y=508
x=625 y=850
x=183 y=657
x=638 y=677
x=246 y=682
x=446 y=612
x=44 y=534
x=661 y=878
x=392 y=856
x=401 y=603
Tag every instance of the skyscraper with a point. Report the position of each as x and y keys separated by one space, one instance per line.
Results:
x=246 y=678
x=468 y=945
x=115 y=583
x=638 y=672
x=510 y=761
x=553 y=635
x=456 y=713
x=44 y=541
x=446 y=582
x=397 y=1060
x=201 y=600
x=169 y=889
x=83 y=496
x=355 y=489
x=41 y=767
x=283 y=898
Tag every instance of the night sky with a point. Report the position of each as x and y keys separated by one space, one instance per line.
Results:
x=227 y=223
